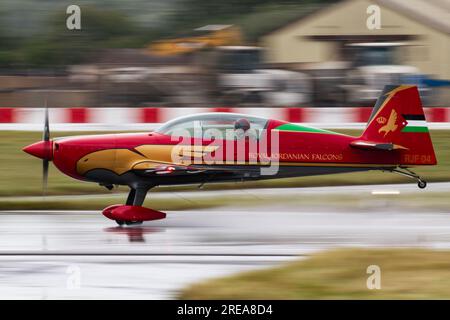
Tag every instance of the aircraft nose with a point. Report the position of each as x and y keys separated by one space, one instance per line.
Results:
x=41 y=149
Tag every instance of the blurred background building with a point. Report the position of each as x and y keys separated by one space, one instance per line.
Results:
x=192 y=53
x=412 y=45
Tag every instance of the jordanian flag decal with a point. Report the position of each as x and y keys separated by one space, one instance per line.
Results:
x=415 y=123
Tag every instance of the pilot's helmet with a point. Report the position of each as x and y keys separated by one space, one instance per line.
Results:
x=242 y=123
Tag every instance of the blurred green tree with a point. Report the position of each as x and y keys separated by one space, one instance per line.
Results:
x=194 y=13
x=100 y=29
x=7 y=44
x=53 y=45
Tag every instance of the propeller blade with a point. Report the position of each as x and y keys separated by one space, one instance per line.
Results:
x=44 y=176
x=46 y=135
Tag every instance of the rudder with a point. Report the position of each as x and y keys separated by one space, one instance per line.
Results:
x=398 y=118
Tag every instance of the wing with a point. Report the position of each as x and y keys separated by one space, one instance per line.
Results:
x=154 y=168
x=121 y=161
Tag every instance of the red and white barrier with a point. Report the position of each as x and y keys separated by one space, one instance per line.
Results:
x=147 y=118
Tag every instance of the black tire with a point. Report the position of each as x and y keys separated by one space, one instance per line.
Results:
x=120 y=222
x=133 y=223
x=422 y=184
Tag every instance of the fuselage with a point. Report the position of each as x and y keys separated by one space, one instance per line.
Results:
x=121 y=158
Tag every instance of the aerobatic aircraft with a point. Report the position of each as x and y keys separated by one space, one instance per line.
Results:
x=218 y=147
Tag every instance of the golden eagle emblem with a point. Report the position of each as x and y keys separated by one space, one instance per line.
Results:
x=391 y=125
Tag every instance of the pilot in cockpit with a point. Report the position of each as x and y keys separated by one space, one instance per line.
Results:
x=242 y=128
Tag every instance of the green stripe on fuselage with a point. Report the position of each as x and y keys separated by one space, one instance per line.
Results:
x=415 y=129
x=298 y=128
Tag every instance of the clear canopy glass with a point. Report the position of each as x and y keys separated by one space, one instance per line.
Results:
x=211 y=124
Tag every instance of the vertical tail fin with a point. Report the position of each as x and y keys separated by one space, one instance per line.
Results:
x=398 y=118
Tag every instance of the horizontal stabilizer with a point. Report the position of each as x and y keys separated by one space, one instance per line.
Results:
x=370 y=145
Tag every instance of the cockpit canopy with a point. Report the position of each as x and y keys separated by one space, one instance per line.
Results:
x=212 y=124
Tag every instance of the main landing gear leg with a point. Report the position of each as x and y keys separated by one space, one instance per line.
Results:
x=408 y=173
x=139 y=195
x=136 y=197
x=131 y=196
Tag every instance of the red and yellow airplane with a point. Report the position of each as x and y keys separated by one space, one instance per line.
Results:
x=216 y=147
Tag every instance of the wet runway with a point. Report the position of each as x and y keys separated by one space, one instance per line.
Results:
x=83 y=255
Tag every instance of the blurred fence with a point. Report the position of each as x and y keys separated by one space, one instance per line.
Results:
x=64 y=119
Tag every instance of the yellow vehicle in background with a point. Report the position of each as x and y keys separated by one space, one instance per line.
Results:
x=208 y=36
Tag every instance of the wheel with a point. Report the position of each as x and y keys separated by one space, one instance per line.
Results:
x=421 y=184
x=120 y=222
x=133 y=223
